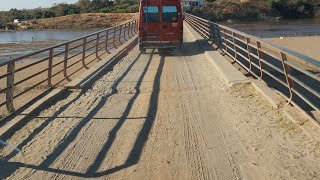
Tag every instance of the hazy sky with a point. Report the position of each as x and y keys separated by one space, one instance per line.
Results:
x=6 y=5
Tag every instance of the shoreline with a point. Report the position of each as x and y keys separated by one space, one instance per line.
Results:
x=307 y=45
x=66 y=29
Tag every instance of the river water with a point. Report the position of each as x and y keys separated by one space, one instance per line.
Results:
x=14 y=44
x=17 y=43
x=271 y=29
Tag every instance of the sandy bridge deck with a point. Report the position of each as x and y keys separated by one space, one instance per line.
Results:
x=162 y=116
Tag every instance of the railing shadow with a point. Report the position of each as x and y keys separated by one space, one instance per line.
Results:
x=136 y=151
x=5 y=160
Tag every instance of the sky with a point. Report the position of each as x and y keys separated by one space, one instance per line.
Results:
x=6 y=5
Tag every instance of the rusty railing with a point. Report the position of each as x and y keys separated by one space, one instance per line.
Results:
x=53 y=65
x=293 y=75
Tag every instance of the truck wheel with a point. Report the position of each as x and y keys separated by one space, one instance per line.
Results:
x=180 y=43
x=142 y=50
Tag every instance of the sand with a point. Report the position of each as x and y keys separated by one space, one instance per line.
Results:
x=309 y=46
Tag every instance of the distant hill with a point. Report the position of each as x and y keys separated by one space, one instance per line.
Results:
x=63 y=9
x=81 y=21
x=218 y=10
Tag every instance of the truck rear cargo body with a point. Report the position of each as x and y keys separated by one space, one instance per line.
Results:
x=160 y=24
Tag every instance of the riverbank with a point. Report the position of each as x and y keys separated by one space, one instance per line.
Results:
x=76 y=21
x=308 y=46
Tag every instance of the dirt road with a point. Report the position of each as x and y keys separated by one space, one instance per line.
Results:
x=162 y=116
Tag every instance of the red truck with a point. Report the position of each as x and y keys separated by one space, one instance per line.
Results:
x=160 y=24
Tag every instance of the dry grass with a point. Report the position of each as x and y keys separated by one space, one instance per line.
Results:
x=81 y=21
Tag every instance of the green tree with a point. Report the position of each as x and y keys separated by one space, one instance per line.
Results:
x=84 y=5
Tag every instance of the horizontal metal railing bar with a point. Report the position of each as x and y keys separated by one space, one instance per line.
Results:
x=304 y=85
x=104 y=52
x=244 y=57
x=272 y=66
x=199 y=28
x=275 y=78
x=306 y=100
x=230 y=48
x=4 y=75
x=255 y=65
x=203 y=22
x=90 y=47
x=71 y=74
x=58 y=45
x=57 y=64
x=4 y=90
x=103 y=42
x=74 y=63
x=75 y=47
x=241 y=64
x=227 y=40
x=29 y=88
x=32 y=64
x=309 y=74
x=77 y=54
x=241 y=48
x=271 y=55
x=88 y=42
x=3 y=103
x=55 y=74
x=91 y=61
x=101 y=48
x=90 y=55
x=30 y=77
x=60 y=53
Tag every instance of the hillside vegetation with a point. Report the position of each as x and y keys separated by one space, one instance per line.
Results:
x=63 y=9
x=81 y=21
x=217 y=10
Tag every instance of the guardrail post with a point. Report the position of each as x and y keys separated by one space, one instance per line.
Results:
x=97 y=46
x=84 y=52
x=259 y=59
x=225 y=41
x=249 y=55
x=218 y=34
x=234 y=47
x=124 y=32
x=136 y=27
x=50 y=67
x=107 y=38
x=287 y=72
x=10 y=85
x=128 y=32
x=114 y=37
x=120 y=34
x=211 y=32
x=131 y=28
x=65 y=64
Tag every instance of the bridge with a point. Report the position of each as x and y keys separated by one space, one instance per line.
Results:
x=226 y=105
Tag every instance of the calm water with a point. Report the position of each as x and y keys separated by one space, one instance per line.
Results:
x=269 y=29
x=30 y=36
x=14 y=44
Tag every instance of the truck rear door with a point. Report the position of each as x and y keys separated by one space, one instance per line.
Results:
x=150 y=24
x=170 y=30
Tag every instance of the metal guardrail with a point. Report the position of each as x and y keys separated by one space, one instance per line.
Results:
x=79 y=50
x=295 y=76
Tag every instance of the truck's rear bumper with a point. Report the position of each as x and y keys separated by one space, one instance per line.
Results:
x=159 y=44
